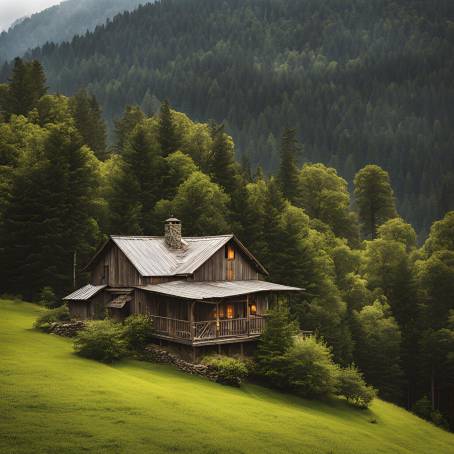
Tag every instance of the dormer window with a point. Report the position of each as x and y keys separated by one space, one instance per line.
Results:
x=229 y=252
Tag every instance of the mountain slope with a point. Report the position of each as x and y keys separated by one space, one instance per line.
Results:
x=59 y=23
x=362 y=82
x=69 y=404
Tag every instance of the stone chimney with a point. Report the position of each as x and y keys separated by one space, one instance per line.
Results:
x=172 y=233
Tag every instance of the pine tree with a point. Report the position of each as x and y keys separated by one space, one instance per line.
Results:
x=124 y=126
x=50 y=215
x=374 y=198
x=169 y=139
x=223 y=168
x=288 y=171
x=89 y=122
x=138 y=186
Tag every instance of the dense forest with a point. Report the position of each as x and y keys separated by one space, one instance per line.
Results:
x=380 y=301
x=361 y=82
x=60 y=23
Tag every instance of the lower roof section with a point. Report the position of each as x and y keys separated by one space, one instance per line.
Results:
x=84 y=293
x=209 y=290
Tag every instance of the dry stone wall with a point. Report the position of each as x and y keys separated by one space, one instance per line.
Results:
x=159 y=355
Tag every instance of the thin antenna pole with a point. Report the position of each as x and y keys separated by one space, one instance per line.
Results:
x=74 y=269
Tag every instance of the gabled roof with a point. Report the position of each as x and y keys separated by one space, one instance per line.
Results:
x=84 y=293
x=151 y=257
x=209 y=290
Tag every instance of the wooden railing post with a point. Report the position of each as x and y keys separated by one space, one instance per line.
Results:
x=248 y=315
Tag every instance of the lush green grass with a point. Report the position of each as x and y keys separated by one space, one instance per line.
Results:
x=53 y=401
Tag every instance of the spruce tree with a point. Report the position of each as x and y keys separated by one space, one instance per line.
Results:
x=124 y=126
x=26 y=87
x=89 y=122
x=169 y=139
x=374 y=198
x=288 y=170
x=50 y=215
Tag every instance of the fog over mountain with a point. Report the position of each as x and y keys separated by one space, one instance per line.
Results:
x=54 y=24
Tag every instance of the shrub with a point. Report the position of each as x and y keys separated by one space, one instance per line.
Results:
x=230 y=371
x=101 y=340
x=58 y=314
x=308 y=368
x=47 y=297
x=351 y=385
x=423 y=408
x=138 y=331
x=439 y=420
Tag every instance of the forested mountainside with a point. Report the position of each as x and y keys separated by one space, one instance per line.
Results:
x=378 y=299
x=362 y=82
x=60 y=23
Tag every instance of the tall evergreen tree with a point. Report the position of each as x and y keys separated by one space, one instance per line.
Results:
x=288 y=171
x=374 y=198
x=50 y=215
x=26 y=87
x=89 y=122
x=139 y=184
x=124 y=126
x=169 y=138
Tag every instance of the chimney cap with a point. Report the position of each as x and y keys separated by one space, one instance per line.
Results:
x=172 y=220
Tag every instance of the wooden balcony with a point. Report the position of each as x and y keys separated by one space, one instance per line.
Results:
x=209 y=331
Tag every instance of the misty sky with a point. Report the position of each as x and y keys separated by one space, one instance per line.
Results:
x=10 y=10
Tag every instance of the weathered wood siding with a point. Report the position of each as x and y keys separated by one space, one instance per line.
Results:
x=78 y=309
x=219 y=268
x=114 y=269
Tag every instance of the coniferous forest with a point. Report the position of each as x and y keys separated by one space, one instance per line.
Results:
x=361 y=82
x=380 y=300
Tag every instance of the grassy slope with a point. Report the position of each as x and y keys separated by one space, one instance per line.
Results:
x=53 y=401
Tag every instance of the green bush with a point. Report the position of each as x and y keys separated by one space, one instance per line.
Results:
x=439 y=420
x=47 y=297
x=58 y=314
x=138 y=331
x=230 y=371
x=308 y=368
x=351 y=385
x=423 y=408
x=101 y=340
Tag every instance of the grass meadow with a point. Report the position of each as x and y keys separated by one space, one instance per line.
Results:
x=55 y=402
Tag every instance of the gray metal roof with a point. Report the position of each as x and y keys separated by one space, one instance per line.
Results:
x=84 y=293
x=206 y=290
x=152 y=257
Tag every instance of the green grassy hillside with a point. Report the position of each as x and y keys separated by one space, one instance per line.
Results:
x=53 y=401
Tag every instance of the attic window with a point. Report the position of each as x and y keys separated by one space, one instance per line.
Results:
x=229 y=252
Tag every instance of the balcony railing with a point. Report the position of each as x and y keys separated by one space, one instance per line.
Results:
x=208 y=329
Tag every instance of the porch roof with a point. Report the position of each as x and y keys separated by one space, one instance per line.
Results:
x=209 y=290
x=84 y=293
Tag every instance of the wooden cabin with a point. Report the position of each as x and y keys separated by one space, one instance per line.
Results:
x=202 y=293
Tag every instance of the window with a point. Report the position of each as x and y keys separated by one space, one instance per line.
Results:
x=229 y=252
x=229 y=311
x=253 y=309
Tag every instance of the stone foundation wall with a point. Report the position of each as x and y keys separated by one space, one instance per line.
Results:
x=66 y=329
x=159 y=355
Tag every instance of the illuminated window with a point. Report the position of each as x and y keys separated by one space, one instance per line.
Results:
x=220 y=313
x=229 y=311
x=253 y=309
x=229 y=252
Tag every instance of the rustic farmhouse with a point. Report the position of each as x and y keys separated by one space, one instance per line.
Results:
x=203 y=293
